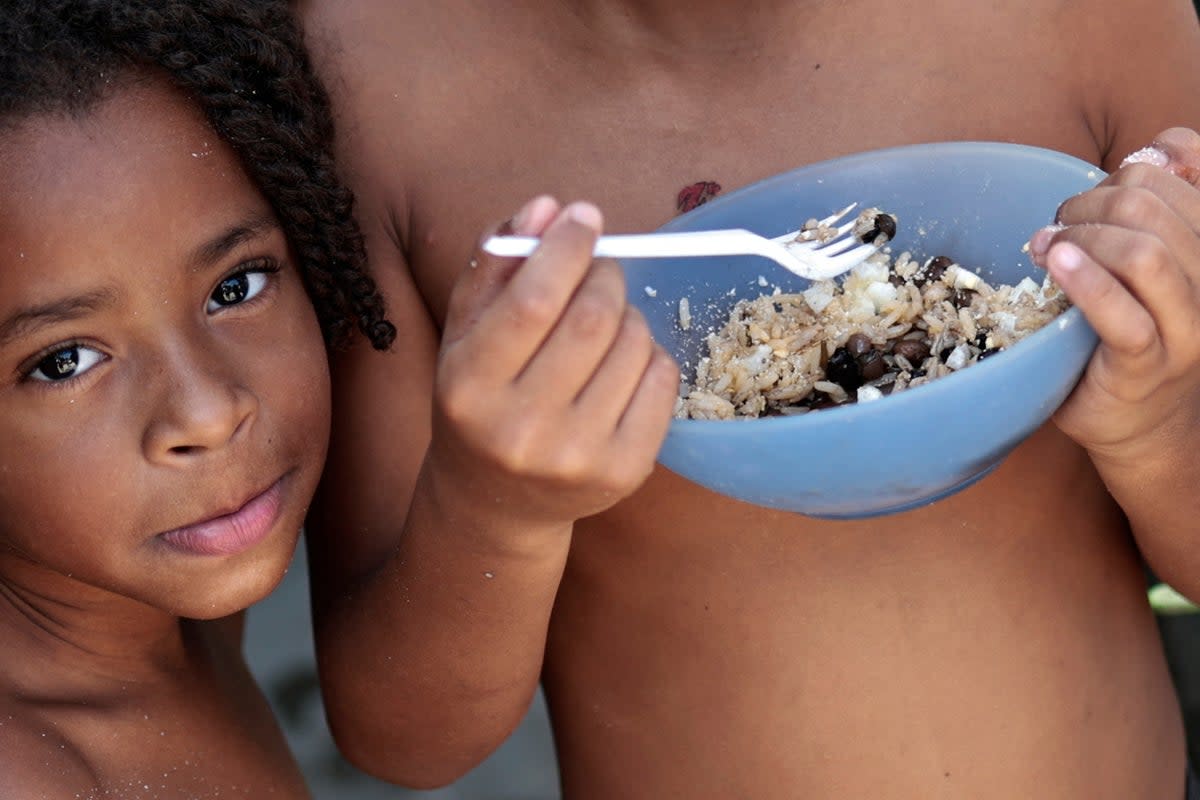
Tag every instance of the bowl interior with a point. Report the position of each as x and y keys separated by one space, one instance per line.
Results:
x=976 y=202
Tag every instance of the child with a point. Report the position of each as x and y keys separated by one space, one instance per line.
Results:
x=174 y=249
x=996 y=644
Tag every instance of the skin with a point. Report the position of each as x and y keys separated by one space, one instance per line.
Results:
x=485 y=523
x=121 y=674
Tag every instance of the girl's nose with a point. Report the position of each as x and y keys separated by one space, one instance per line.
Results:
x=198 y=409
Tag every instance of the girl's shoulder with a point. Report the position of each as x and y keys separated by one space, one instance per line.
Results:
x=37 y=760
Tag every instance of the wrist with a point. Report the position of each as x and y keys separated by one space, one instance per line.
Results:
x=485 y=519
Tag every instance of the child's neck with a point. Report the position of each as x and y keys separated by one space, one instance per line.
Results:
x=59 y=632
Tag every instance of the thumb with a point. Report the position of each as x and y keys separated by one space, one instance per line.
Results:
x=486 y=275
x=1177 y=150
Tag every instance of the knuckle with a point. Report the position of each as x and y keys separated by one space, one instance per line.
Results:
x=535 y=306
x=517 y=445
x=593 y=311
x=627 y=474
x=1141 y=336
x=1132 y=205
x=576 y=466
x=456 y=396
x=1149 y=258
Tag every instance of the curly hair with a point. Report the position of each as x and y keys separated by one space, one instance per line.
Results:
x=244 y=64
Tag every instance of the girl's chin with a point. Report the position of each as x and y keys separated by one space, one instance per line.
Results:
x=231 y=589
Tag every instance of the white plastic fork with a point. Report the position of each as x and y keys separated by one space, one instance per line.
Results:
x=799 y=251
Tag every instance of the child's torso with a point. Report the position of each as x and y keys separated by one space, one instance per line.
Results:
x=996 y=644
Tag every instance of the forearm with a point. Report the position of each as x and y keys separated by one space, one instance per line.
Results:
x=431 y=659
x=1158 y=493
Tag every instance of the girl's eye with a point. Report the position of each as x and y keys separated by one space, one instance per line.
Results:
x=64 y=363
x=237 y=289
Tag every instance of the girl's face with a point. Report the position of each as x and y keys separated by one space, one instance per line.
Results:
x=164 y=395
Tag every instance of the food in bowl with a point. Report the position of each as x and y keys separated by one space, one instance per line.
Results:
x=892 y=323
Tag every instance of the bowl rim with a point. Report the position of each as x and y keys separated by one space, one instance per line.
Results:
x=957 y=147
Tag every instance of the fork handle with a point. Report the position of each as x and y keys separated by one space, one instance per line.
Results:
x=731 y=242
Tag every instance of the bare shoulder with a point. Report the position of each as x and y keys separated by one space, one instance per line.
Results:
x=372 y=54
x=372 y=57
x=406 y=65
x=37 y=762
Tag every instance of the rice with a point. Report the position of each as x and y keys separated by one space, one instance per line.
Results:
x=889 y=325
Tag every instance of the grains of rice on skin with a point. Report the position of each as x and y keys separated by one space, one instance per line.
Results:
x=769 y=357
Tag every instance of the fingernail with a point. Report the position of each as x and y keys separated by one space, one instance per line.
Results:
x=521 y=219
x=1039 y=243
x=1148 y=155
x=586 y=214
x=1065 y=257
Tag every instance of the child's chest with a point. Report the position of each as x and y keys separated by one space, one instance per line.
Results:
x=645 y=157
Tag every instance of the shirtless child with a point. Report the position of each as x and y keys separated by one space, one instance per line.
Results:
x=996 y=644
x=165 y=201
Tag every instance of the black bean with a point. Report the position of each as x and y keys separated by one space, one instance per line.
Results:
x=858 y=344
x=961 y=298
x=932 y=270
x=871 y=365
x=884 y=225
x=981 y=337
x=843 y=370
x=913 y=349
x=989 y=353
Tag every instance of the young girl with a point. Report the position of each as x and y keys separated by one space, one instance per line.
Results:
x=176 y=255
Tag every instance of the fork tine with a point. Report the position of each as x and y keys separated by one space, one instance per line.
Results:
x=832 y=218
x=835 y=246
x=817 y=244
x=829 y=267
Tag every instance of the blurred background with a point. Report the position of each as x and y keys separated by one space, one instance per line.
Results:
x=280 y=650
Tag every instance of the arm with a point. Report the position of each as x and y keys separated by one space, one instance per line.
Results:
x=1130 y=259
x=458 y=463
x=437 y=549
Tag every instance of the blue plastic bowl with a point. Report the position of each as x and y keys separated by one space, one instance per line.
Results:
x=976 y=202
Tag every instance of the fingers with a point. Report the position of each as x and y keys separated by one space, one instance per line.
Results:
x=582 y=338
x=548 y=379
x=527 y=296
x=485 y=275
x=1128 y=255
x=1177 y=150
x=1121 y=319
x=633 y=389
x=646 y=417
x=531 y=305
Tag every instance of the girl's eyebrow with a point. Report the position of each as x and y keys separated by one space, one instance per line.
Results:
x=26 y=321
x=219 y=246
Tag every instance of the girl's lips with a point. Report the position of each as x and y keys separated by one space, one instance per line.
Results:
x=231 y=533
